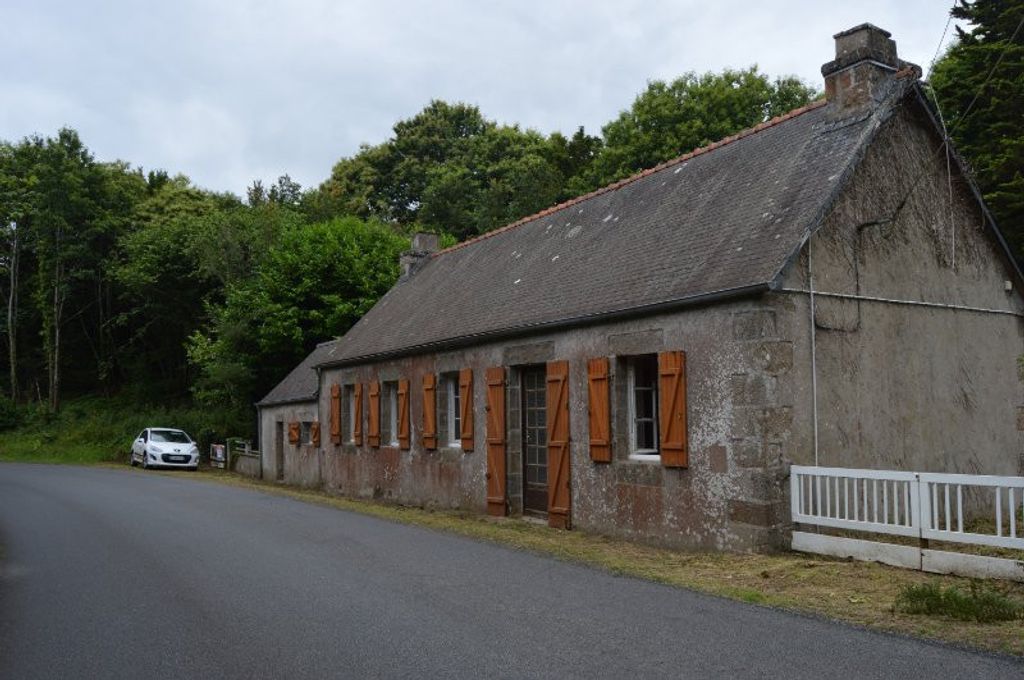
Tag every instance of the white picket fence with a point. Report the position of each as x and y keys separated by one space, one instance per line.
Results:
x=923 y=505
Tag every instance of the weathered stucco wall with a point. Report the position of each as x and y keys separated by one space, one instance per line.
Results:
x=729 y=497
x=301 y=464
x=900 y=386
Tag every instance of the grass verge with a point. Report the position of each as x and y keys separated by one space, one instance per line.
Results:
x=861 y=593
x=982 y=602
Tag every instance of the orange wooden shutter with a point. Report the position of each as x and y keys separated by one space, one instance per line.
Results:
x=314 y=433
x=672 y=411
x=466 y=408
x=496 y=504
x=293 y=433
x=373 y=435
x=558 y=444
x=599 y=413
x=335 y=414
x=430 y=411
x=403 y=414
x=357 y=427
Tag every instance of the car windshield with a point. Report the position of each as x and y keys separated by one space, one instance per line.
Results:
x=170 y=436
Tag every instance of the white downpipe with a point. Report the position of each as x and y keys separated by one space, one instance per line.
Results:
x=814 y=352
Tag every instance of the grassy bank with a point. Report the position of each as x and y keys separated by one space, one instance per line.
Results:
x=94 y=429
x=862 y=593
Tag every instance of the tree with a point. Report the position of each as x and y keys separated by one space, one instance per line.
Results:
x=189 y=247
x=314 y=283
x=66 y=177
x=574 y=157
x=450 y=169
x=16 y=199
x=670 y=119
x=979 y=87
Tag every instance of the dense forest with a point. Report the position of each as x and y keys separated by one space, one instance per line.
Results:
x=138 y=285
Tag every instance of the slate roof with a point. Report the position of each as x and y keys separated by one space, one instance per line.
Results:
x=722 y=220
x=301 y=384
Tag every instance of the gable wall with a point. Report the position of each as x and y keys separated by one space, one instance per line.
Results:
x=900 y=386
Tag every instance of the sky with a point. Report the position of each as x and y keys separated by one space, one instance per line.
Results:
x=229 y=92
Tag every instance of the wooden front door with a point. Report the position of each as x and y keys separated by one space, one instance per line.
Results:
x=535 y=441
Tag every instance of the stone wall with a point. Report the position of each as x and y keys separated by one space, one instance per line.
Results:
x=248 y=466
x=730 y=496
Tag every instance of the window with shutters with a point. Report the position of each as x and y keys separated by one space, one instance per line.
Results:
x=350 y=413
x=642 y=406
x=306 y=432
x=451 y=425
x=389 y=414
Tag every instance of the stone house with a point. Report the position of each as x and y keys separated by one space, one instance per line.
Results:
x=647 y=360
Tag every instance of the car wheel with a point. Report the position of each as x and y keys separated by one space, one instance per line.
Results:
x=145 y=461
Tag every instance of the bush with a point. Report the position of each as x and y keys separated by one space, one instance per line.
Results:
x=9 y=415
x=982 y=602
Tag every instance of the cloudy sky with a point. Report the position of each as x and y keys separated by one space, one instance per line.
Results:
x=228 y=92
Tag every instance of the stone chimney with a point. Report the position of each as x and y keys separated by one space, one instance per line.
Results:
x=423 y=246
x=862 y=71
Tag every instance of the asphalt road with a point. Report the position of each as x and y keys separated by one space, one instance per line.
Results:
x=125 y=574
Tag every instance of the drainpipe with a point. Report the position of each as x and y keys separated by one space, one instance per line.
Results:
x=814 y=352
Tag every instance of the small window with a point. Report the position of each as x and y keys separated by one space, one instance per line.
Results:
x=453 y=415
x=350 y=424
x=642 y=379
x=306 y=433
x=389 y=417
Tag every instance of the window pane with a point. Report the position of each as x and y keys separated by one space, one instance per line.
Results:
x=644 y=402
x=645 y=435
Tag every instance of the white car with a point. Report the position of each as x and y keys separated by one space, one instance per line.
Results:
x=164 y=447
